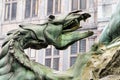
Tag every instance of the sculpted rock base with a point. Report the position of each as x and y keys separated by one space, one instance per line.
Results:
x=105 y=66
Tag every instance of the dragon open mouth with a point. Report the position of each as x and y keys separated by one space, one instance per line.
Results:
x=74 y=24
x=71 y=26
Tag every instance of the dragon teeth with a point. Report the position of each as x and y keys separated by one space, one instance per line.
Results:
x=76 y=20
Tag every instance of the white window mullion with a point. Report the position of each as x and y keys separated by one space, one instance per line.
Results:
x=58 y=5
x=31 y=8
x=6 y=12
x=54 y=6
x=78 y=4
x=10 y=10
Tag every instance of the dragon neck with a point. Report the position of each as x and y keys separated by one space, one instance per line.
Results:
x=17 y=51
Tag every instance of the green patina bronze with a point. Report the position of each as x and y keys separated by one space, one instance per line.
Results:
x=60 y=32
x=57 y=31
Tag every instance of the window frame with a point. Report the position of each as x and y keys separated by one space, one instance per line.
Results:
x=72 y=63
x=46 y=51
x=78 y=5
x=58 y=65
x=31 y=9
x=56 y=52
x=81 y=49
x=54 y=8
x=9 y=18
x=73 y=54
x=52 y=57
x=78 y=51
x=75 y=45
x=47 y=62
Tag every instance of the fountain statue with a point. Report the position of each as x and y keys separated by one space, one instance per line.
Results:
x=102 y=62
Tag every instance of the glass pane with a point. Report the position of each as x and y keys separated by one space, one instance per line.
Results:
x=14 y=11
x=57 y=6
x=56 y=52
x=74 y=4
x=48 y=52
x=7 y=11
x=82 y=4
x=82 y=45
x=72 y=60
x=74 y=48
x=48 y=62
x=56 y=63
x=49 y=7
x=27 y=8
x=35 y=8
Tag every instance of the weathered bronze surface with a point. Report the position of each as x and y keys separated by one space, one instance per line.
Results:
x=102 y=62
x=57 y=31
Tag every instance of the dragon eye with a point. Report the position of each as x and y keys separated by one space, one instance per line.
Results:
x=51 y=17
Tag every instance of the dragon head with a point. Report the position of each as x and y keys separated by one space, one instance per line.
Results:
x=60 y=31
x=57 y=31
x=70 y=22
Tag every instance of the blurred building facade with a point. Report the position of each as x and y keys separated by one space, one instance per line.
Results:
x=105 y=10
x=15 y=12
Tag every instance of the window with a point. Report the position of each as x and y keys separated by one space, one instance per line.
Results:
x=72 y=60
x=10 y=10
x=31 y=8
x=74 y=48
x=52 y=58
x=48 y=52
x=48 y=62
x=82 y=45
x=50 y=7
x=82 y=4
x=53 y=6
x=57 y=6
x=56 y=63
x=74 y=4
x=78 y=4
x=56 y=52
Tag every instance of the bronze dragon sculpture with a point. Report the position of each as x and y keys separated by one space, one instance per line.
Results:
x=57 y=31
x=60 y=32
